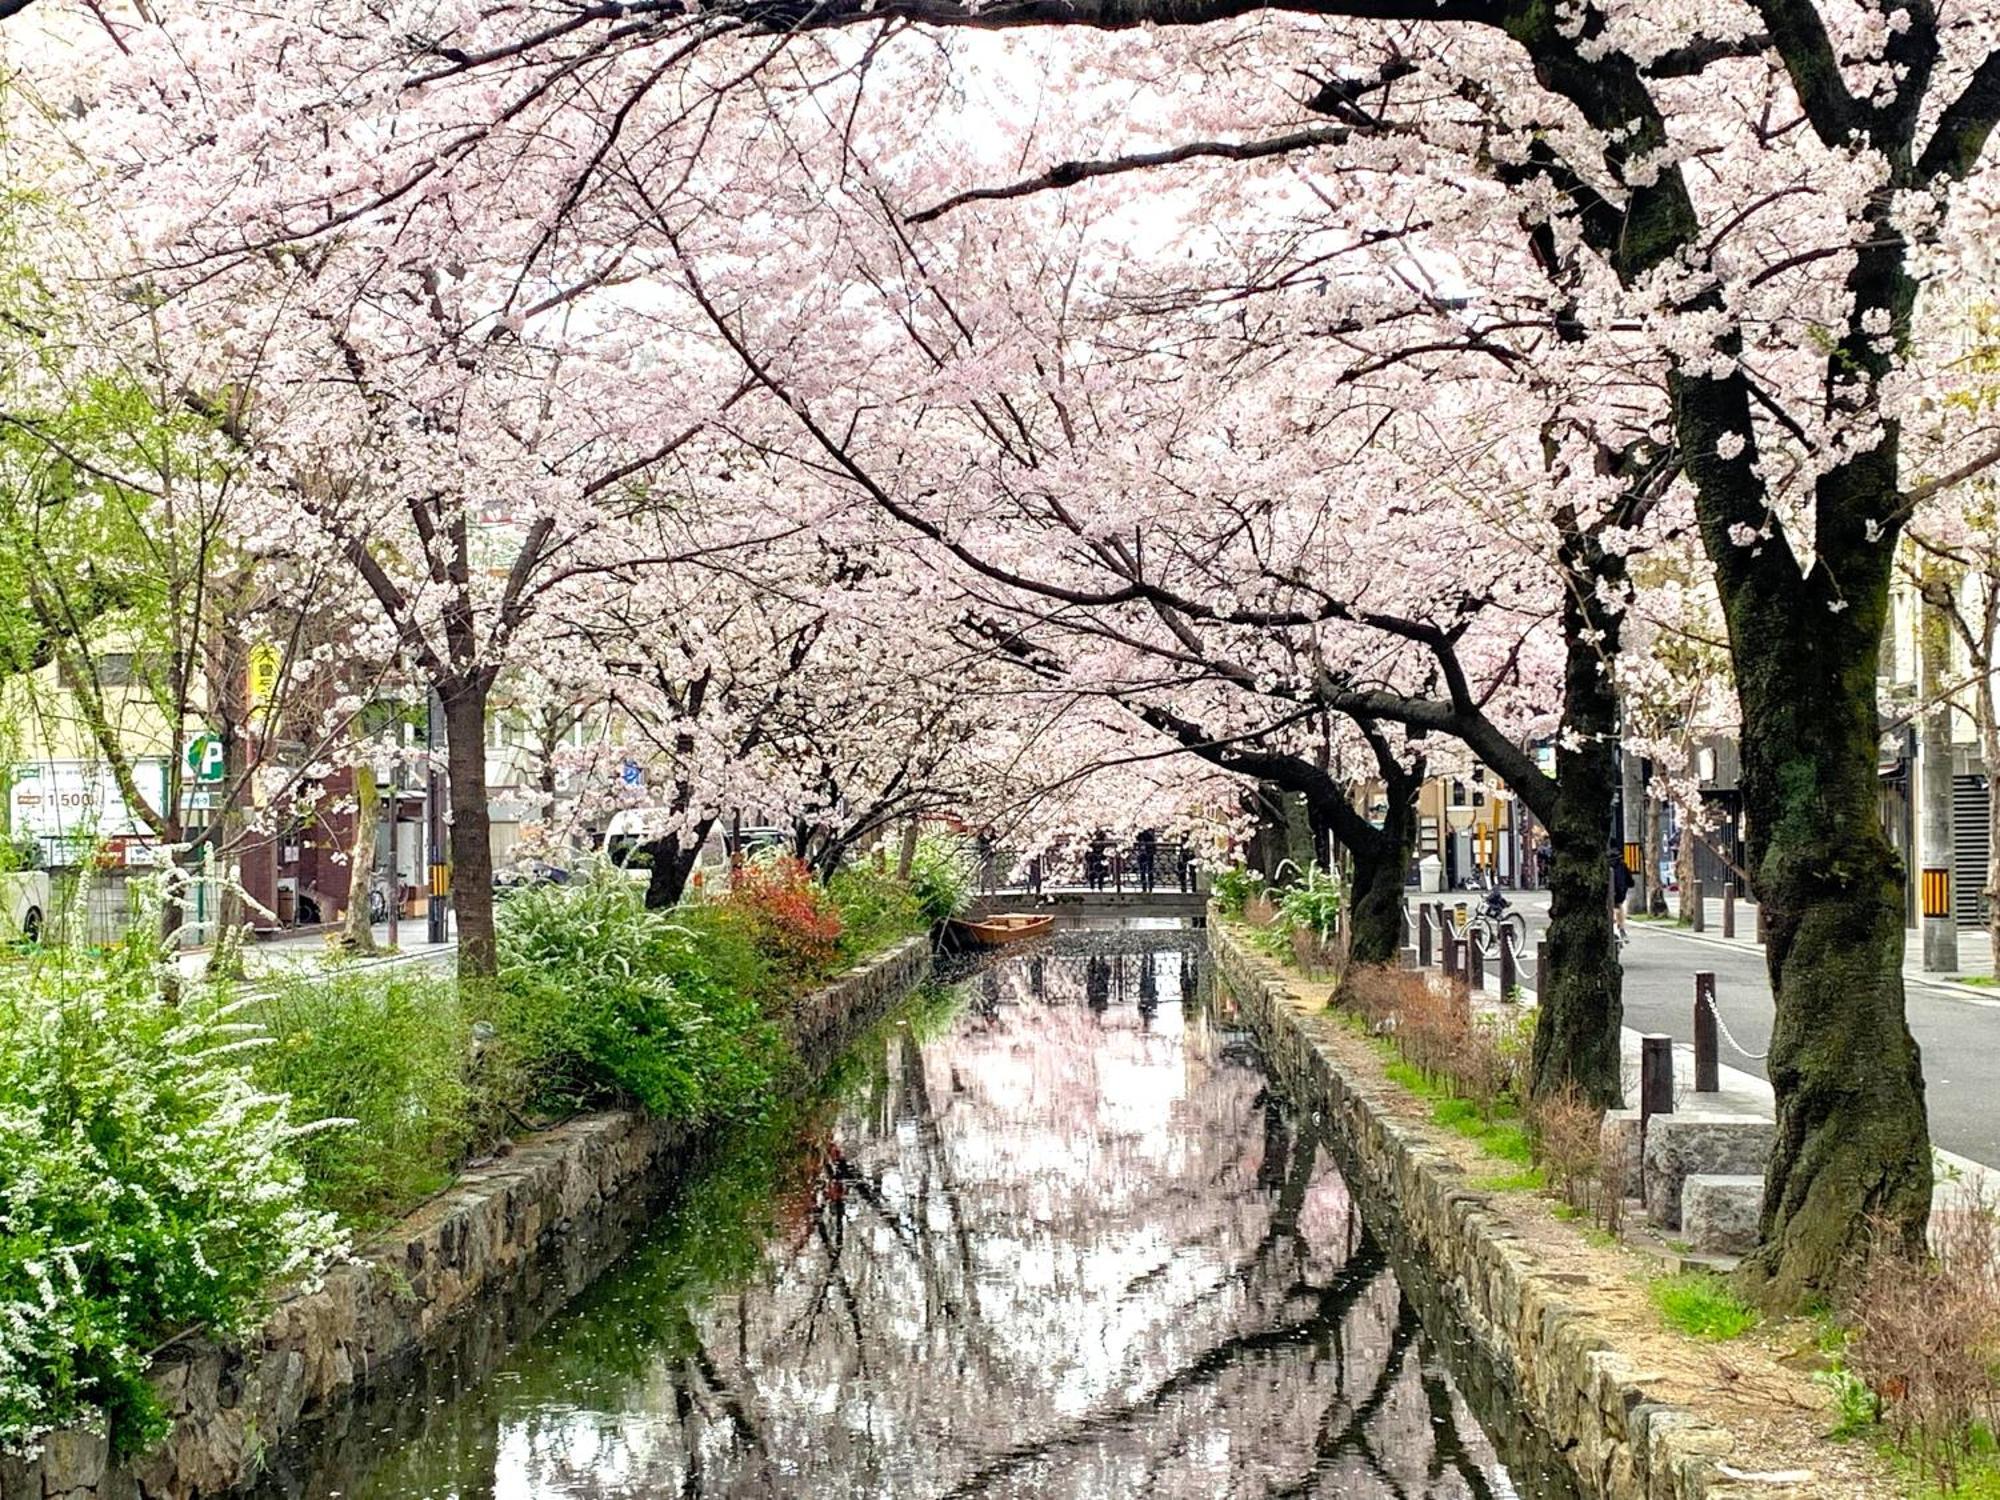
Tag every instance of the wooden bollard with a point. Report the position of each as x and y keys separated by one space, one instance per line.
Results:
x=1700 y=908
x=1760 y=922
x=1424 y=936
x=1729 y=908
x=1475 y=961
x=1656 y=1076
x=1510 y=975
x=1707 y=1066
x=1541 y=966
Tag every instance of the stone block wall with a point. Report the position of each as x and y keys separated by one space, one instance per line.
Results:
x=1540 y=1353
x=555 y=1198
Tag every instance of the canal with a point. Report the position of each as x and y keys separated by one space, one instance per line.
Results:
x=1048 y=1232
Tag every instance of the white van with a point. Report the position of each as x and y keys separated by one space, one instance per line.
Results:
x=631 y=829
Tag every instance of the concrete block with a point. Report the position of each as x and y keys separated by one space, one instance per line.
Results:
x=1619 y=1145
x=1719 y=1212
x=1680 y=1146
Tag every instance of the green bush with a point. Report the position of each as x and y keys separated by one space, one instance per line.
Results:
x=601 y=1000
x=147 y=1184
x=876 y=909
x=1313 y=903
x=942 y=878
x=387 y=1049
x=1233 y=890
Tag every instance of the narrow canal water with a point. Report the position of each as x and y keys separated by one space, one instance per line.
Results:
x=1050 y=1234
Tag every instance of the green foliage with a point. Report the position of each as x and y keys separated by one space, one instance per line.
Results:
x=146 y=1184
x=601 y=1000
x=1312 y=903
x=942 y=878
x=1233 y=889
x=20 y=853
x=876 y=909
x=1858 y=1409
x=388 y=1050
x=1702 y=1305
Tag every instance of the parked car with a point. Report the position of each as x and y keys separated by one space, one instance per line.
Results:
x=631 y=830
x=24 y=906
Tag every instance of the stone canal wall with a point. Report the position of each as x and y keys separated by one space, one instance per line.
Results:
x=535 y=1224
x=1553 y=1364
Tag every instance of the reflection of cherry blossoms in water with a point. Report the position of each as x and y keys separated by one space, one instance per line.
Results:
x=1071 y=1247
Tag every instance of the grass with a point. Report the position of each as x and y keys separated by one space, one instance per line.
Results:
x=1981 y=981
x=1530 y=1181
x=1702 y=1305
x=1501 y=1134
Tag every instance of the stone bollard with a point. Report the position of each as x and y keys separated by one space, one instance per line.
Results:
x=1700 y=908
x=1729 y=908
x=1510 y=968
x=1424 y=936
x=1475 y=961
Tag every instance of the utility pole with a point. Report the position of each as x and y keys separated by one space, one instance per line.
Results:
x=1634 y=801
x=1934 y=783
x=395 y=817
x=437 y=911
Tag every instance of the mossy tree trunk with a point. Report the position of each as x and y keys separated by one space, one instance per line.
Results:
x=1852 y=1144
x=1581 y=996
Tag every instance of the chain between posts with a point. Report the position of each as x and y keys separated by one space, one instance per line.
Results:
x=1728 y=1036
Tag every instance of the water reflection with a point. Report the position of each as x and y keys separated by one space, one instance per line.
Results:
x=1068 y=1244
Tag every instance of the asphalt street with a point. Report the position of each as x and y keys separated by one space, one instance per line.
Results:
x=1959 y=1033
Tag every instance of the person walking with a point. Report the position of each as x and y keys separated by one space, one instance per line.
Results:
x=1146 y=850
x=1621 y=887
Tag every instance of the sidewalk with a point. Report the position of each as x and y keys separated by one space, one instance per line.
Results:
x=1959 y=1178
x=310 y=952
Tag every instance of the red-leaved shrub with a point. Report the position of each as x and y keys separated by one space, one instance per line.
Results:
x=788 y=915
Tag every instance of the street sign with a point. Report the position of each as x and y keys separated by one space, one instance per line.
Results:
x=205 y=757
x=630 y=774
x=265 y=663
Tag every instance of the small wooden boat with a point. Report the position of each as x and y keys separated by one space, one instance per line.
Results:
x=1008 y=927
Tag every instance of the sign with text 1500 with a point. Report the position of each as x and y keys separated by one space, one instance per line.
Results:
x=80 y=799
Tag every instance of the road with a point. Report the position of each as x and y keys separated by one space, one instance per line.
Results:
x=1959 y=1033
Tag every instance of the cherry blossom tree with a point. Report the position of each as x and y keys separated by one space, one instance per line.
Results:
x=1695 y=236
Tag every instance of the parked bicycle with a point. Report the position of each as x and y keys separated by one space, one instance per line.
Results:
x=1493 y=917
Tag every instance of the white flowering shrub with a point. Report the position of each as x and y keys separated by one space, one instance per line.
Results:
x=146 y=1186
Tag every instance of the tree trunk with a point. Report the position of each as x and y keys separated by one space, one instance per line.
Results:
x=1582 y=1010
x=674 y=860
x=1655 y=848
x=1380 y=864
x=1852 y=1145
x=906 y=856
x=358 y=932
x=464 y=702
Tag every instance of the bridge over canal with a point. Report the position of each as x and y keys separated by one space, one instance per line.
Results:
x=1083 y=902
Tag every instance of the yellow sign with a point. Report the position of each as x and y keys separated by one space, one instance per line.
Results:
x=265 y=663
